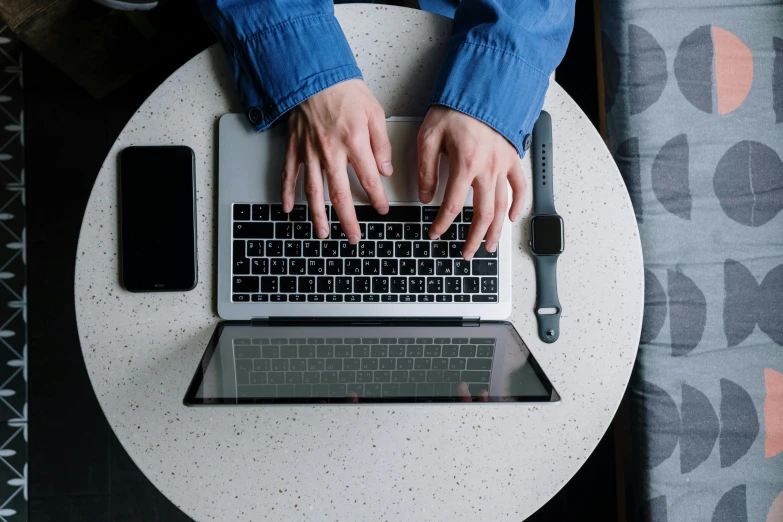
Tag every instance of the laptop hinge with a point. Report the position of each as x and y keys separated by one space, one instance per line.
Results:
x=370 y=321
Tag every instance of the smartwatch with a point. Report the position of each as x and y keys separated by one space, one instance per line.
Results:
x=547 y=237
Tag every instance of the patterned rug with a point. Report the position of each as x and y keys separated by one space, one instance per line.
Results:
x=13 y=309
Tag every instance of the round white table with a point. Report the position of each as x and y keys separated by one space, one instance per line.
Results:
x=372 y=462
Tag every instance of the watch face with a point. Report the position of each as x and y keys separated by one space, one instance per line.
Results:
x=547 y=235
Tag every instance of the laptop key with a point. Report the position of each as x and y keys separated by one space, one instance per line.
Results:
x=328 y=377
x=407 y=267
x=353 y=298
x=352 y=363
x=485 y=298
x=320 y=391
x=470 y=285
x=274 y=248
x=417 y=376
x=311 y=248
x=485 y=267
x=425 y=267
x=412 y=231
x=323 y=351
x=386 y=363
x=259 y=298
x=298 y=213
x=440 y=363
x=404 y=363
x=240 y=263
x=311 y=377
x=462 y=232
x=422 y=363
x=399 y=376
x=262 y=365
x=482 y=252
x=278 y=266
x=414 y=350
x=244 y=283
x=450 y=376
x=402 y=249
x=255 y=248
x=442 y=389
x=475 y=376
x=284 y=230
x=253 y=230
x=408 y=298
x=450 y=350
x=330 y=249
x=428 y=214
x=316 y=365
x=276 y=377
x=334 y=298
x=372 y=390
x=370 y=363
x=337 y=232
x=307 y=284
x=292 y=248
x=303 y=231
x=277 y=213
x=302 y=391
x=269 y=284
x=293 y=378
x=385 y=248
x=416 y=285
x=346 y=376
x=443 y=267
x=247 y=351
x=371 y=267
x=367 y=249
x=435 y=285
x=353 y=267
x=484 y=351
x=439 y=249
x=467 y=214
x=389 y=267
x=435 y=376
x=422 y=390
x=251 y=391
x=426 y=298
x=489 y=285
x=258 y=266
x=297 y=266
x=306 y=351
x=325 y=285
x=375 y=231
x=380 y=285
x=382 y=376
x=334 y=267
x=260 y=212
x=315 y=266
x=479 y=364
x=390 y=389
x=457 y=363
x=443 y=298
x=288 y=284
x=354 y=388
x=361 y=285
x=461 y=298
x=388 y=298
x=347 y=249
x=297 y=365
x=364 y=376
x=421 y=249
x=399 y=285
x=336 y=390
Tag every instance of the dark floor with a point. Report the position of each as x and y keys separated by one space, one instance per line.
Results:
x=78 y=470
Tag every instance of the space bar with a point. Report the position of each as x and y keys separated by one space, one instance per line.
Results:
x=396 y=214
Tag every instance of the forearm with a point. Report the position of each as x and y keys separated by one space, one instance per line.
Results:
x=281 y=52
x=501 y=55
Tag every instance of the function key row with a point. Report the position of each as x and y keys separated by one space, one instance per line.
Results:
x=370 y=340
x=364 y=213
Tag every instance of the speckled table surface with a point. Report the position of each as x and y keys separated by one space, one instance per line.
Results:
x=373 y=462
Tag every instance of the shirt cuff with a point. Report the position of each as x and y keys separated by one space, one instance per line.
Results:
x=279 y=67
x=494 y=86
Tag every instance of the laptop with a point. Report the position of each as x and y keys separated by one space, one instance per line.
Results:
x=398 y=317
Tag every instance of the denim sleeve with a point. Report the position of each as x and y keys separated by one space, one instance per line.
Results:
x=499 y=60
x=281 y=52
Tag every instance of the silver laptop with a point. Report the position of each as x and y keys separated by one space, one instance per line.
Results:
x=271 y=264
x=396 y=318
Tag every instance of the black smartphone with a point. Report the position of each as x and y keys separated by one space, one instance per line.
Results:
x=158 y=219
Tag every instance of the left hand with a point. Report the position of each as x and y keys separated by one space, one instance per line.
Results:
x=479 y=157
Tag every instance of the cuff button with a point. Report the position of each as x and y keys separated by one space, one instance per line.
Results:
x=254 y=115
x=526 y=142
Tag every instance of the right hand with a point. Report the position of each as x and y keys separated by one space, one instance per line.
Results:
x=339 y=125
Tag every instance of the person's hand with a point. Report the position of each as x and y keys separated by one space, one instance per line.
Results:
x=479 y=157
x=340 y=125
x=463 y=394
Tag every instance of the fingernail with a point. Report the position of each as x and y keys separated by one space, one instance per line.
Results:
x=462 y=389
x=383 y=211
x=434 y=237
x=468 y=257
x=513 y=218
x=322 y=232
x=491 y=247
x=387 y=168
x=353 y=239
x=424 y=195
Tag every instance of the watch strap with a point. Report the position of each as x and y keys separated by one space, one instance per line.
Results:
x=546 y=297
x=543 y=195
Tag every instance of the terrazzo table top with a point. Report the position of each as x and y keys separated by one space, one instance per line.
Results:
x=372 y=462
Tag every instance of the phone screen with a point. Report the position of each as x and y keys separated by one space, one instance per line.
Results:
x=158 y=219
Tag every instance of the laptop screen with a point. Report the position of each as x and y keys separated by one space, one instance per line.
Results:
x=352 y=364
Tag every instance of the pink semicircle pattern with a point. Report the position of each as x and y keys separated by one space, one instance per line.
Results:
x=776 y=510
x=733 y=70
x=773 y=414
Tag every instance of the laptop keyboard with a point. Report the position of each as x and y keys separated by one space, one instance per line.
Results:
x=367 y=367
x=276 y=257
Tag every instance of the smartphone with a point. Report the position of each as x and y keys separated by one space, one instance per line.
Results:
x=158 y=219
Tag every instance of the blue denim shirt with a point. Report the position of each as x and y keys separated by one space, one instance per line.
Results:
x=496 y=69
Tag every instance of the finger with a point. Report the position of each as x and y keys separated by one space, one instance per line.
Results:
x=501 y=204
x=363 y=163
x=456 y=191
x=379 y=141
x=352 y=398
x=463 y=393
x=429 y=144
x=341 y=199
x=483 y=213
x=516 y=178
x=290 y=172
x=483 y=396
x=314 y=189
